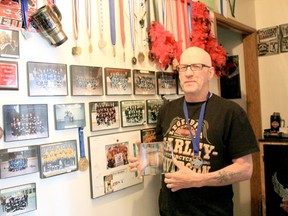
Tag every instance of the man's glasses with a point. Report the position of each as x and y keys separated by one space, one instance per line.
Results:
x=194 y=67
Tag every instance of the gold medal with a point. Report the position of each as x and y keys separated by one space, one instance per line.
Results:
x=83 y=164
x=76 y=50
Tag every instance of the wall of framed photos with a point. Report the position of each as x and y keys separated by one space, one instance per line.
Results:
x=63 y=92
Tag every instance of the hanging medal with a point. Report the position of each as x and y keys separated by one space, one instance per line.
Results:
x=141 y=42
x=132 y=29
x=196 y=160
x=112 y=24
x=101 y=43
x=75 y=12
x=83 y=161
x=88 y=23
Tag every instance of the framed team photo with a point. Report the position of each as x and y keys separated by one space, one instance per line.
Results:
x=166 y=83
x=18 y=161
x=58 y=158
x=133 y=113
x=86 y=80
x=9 y=75
x=19 y=199
x=118 y=81
x=47 y=79
x=104 y=115
x=25 y=121
x=153 y=106
x=9 y=43
x=69 y=116
x=144 y=82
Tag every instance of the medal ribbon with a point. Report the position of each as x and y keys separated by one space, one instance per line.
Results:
x=81 y=142
x=156 y=10
x=196 y=140
x=179 y=30
x=88 y=18
x=75 y=13
x=24 y=11
x=149 y=24
x=132 y=28
x=185 y=19
x=122 y=27
x=190 y=19
x=112 y=23
x=232 y=7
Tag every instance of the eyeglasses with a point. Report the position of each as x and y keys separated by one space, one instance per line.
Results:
x=193 y=67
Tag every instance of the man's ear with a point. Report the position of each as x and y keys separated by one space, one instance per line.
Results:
x=211 y=72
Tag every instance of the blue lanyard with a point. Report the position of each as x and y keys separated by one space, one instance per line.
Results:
x=196 y=140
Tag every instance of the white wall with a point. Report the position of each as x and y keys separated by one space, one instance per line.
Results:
x=69 y=194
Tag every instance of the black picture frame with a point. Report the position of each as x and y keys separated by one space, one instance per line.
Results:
x=144 y=82
x=25 y=121
x=47 y=79
x=118 y=81
x=69 y=116
x=166 y=83
x=9 y=43
x=133 y=113
x=9 y=75
x=58 y=158
x=104 y=115
x=24 y=194
x=18 y=161
x=86 y=80
x=148 y=135
x=153 y=106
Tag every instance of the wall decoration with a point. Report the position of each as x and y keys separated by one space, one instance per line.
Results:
x=284 y=37
x=9 y=75
x=104 y=115
x=109 y=169
x=268 y=41
x=118 y=81
x=230 y=83
x=9 y=43
x=153 y=106
x=18 y=161
x=144 y=82
x=133 y=113
x=86 y=80
x=19 y=199
x=179 y=88
x=47 y=79
x=25 y=121
x=166 y=83
x=58 y=158
x=148 y=135
x=69 y=116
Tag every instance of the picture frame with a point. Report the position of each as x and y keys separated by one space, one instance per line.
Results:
x=104 y=115
x=179 y=87
x=166 y=83
x=148 y=135
x=118 y=81
x=144 y=82
x=18 y=161
x=19 y=199
x=9 y=75
x=133 y=113
x=9 y=43
x=153 y=106
x=109 y=168
x=47 y=79
x=86 y=80
x=52 y=162
x=25 y=121
x=69 y=116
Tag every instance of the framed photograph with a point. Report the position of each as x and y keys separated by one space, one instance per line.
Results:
x=109 y=169
x=58 y=158
x=283 y=37
x=148 y=135
x=9 y=75
x=9 y=43
x=69 y=116
x=179 y=87
x=153 y=106
x=104 y=115
x=18 y=161
x=166 y=83
x=86 y=80
x=133 y=113
x=25 y=121
x=47 y=79
x=118 y=81
x=144 y=82
x=18 y=199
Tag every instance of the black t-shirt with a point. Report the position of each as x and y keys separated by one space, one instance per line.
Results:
x=226 y=134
